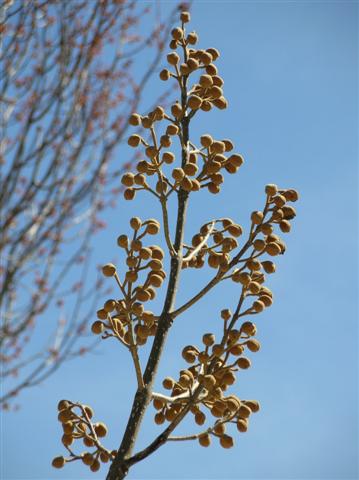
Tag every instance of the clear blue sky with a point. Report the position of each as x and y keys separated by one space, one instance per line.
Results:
x=291 y=78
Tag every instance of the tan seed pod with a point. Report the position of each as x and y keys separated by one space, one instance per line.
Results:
x=158 y=404
x=242 y=425
x=185 y=17
x=109 y=270
x=273 y=249
x=213 y=188
x=289 y=212
x=253 y=264
x=206 y=106
x=244 y=412
x=233 y=335
x=63 y=404
x=192 y=38
x=100 y=429
x=229 y=378
x=147 y=122
x=266 y=228
x=212 y=70
x=186 y=184
x=97 y=327
x=176 y=110
x=67 y=439
x=253 y=405
x=136 y=245
x=213 y=167
x=156 y=280
x=104 y=457
x=129 y=194
x=128 y=179
x=194 y=102
x=65 y=415
x=109 y=305
x=68 y=428
x=165 y=74
x=243 y=363
x=190 y=169
x=101 y=314
x=254 y=287
x=87 y=458
x=279 y=200
x=285 y=226
x=206 y=140
x=226 y=314
x=231 y=169
x=88 y=442
x=177 y=33
x=173 y=44
x=206 y=81
x=253 y=345
x=178 y=174
x=271 y=189
x=248 y=328
x=168 y=157
x=122 y=241
x=258 y=306
x=58 y=462
x=259 y=245
x=173 y=58
x=226 y=441
x=185 y=69
x=165 y=141
x=217 y=147
x=257 y=217
x=213 y=52
x=152 y=228
x=220 y=429
x=266 y=299
x=204 y=440
x=217 y=350
x=236 y=350
x=168 y=383
x=291 y=195
x=135 y=119
x=189 y=356
x=203 y=357
x=208 y=339
x=192 y=64
x=134 y=140
x=95 y=466
x=205 y=58
x=172 y=130
x=209 y=381
x=143 y=331
x=199 y=418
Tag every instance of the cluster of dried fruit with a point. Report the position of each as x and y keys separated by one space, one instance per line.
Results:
x=76 y=423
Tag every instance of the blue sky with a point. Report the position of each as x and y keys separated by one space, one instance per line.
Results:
x=291 y=79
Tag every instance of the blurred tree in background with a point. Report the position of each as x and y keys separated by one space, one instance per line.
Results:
x=67 y=90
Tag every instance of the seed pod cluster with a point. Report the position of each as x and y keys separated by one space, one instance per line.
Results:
x=118 y=317
x=76 y=420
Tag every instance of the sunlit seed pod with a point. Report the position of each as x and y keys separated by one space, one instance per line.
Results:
x=104 y=457
x=266 y=299
x=218 y=81
x=254 y=287
x=128 y=179
x=289 y=212
x=185 y=69
x=231 y=169
x=87 y=458
x=172 y=130
x=277 y=215
x=155 y=264
x=158 y=404
x=142 y=166
x=253 y=345
x=173 y=44
x=168 y=157
x=203 y=357
x=185 y=381
x=204 y=440
x=151 y=152
x=101 y=314
x=213 y=188
x=58 y=462
x=134 y=140
x=152 y=228
x=242 y=425
x=170 y=414
x=205 y=58
x=206 y=106
x=291 y=195
x=165 y=141
x=206 y=81
x=189 y=356
x=97 y=327
x=129 y=194
x=185 y=17
x=109 y=270
x=190 y=169
x=176 y=110
x=217 y=178
x=248 y=328
x=63 y=404
x=244 y=411
x=236 y=350
x=229 y=378
x=243 y=363
x=273 y=249
x=271 y=189
x=212 y=70
x=68 y=427
x=147 y=122
x=143 y=295
x=95 y=466
x=215 y=92
x=279 y=200
x=161 y=187
x=199 y=418
x=192 y=38
x=229 y=244
x=135 y=119
x=220 y=103
x=143 y=331
x=173 y=58
x=259 y=245
x=178 y=174
x=217 y=350
x=213 y=260
x=186 y=184
x=213 y=167
x=127 y=338
x=100 y=429
x=194 y=102
x=213 y=52
x=88 y=442
x=285 y=226
x=209 y=381
x=233 y=335
x=177 y=33
x=226 y=314
x=253 y=264
x=109 y=305
x=257 y=217
x=216 y=412
x=64 y=415
x=131 y=276
x=67 y=439
x=165 y=74
x=208 y=339
x=206 y=140
x=168 y=383
x=192 y=64
x=155 y=280
x=266 y=228
x=217 y=147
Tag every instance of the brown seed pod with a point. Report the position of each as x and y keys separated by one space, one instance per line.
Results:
x=63 y=404
x=217 y=147
x=173 y=44
x=97 y=327
x=226 y=314
x=253 y=345
x=158 y=404
x=68 y=428
x=205 y=81
x=176 y=110
x=266 y=299
x=236 y=350
x=185 y=17
x=135 y=119
x=244 y=411
x=208 y=339
x=186 y=184
x=67 y=439
x=206 y=106
x=243 y=362
x=253 y=405
x=173 y=58
x=168 y=383
x=253 y=264
x=226 y=441
x=285 y=226
x=291 y=195
x=220 y=428
x=271 y=189
x=203 y=357
x=248 y=328
x=152 y=228
x=165 y=74
x=273 y=249
x=128 y=179
x=194 y=102
x=199 y=418
x=100 y=429
x=259 y=244
x=190 y=169
x=178 y=174
x=193 y=64
x=266 y=228
x=213 y=188
x=129 y=194
x=87 y=458
x=204 y=440
x=134 y=140
x=95 y=466
x=101 y=314
x=172 y=130
x=254 y=287
x=109 y=270
x=257 y=217
x=289 y=212
x=88 y=442
x=122 y=241
x=209 y=381
x=177 y=33
x=221 y=102
x=104 y=457
x=258 y=306
x=143 y=295
x=242 y=425
x=168 y=157
x=279 y=200
x=212 y=70
x=192 y=38
x=58 y=462
x=229 y=378
x=65 y=415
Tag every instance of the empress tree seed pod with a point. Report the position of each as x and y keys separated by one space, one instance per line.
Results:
x=254 y=287
x=257 y=217
x=199 y=418
x=185 y=17
x=217 y=350
x=242 y=425
x=279 y=200
x=194 y=102
x=213 y=188
x=153 y=228
x=134 y=140
x=248 y=328
x=220 y=103
x=220 y=428
x=109 y=270
x=217 y=147
x=259 y=244
x=158 y=404
x=190 y=169
x=168 y=157
x=206 y=140
x=122 y=241
x=101 y=314
x=104 y=457
x=88 y=442
x=97 y=327
x=129 y=194
x=226 y=314
x=243 y=363
x=236 y=350
x=192 y=38
x=177 y=33
x=285 y=226
x=244 y=411
x=178 y=174
x=266 y=299
x=253 y=405
x=226 y=441
x=95 y=466
x=128 y=179
x=289 y=212
x=168 y=383
x=218 y=81
x=87 y=458
x=206 y=81
x=172 y=130
x=271 y=189
x=67 y=439
x=291 y=195
x=204 y=440
x=135 y=223
x=165 y=74
x=206 y=106
x=135 y=119
x=173 y=44
x=176 y=110
x=213 y=52
x=58 y=462
x=253 y=345
x=208 y=339
x=273 y=249
x=173 y=58
x=229 y=378
x=266 y=228
x=192 y=64
x=63 y=404
x=186 y=184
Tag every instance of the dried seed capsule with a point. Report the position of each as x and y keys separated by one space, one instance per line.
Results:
x=87 y=458
x=129 y=194
x=165 y=141
x=208 y=339
x=212 y=70
x=271 y=189
x=268 y=266
x=259 y=245
x=291 y=195
x=173 y=44
x=122 y=241
x=205 y=58
x=242 y=425
x=185 y=17
x=220 y=103
x=177 y=33
x=168 y=383
x=63 y=404
x=285 y=226
x=101 y=314
x=97 y=327
x=165 y=74
x=236 y=350
x=173 y=58
x=100 y=429
x=273 y=249
x=135 y=119
x=172 y=130
x=243 y=362
x=253 y=265
x=95 y=466
x=199 y=418
x=192 y=64
x=253 y=345
x=134 y=140
x=226 y=314
x=220 y=429
x=226 y=441
x=206 y=141
x=192 y=38
x=204 y=440
x=213 y=188
x=128 y=179
x=279 y=200
x=266 y=228
x=257 y=217
x=67 y=439
x=190 y=169
x=206 y=106
x=186 y=184
x=58 y=462
x=176 y=110
x=153 y=228
x=109 y=270
x=244 y=411
x=135 y=223
x=218 y=147
x=254 y=287
x=217 y=350
x=168 y=157
x=213 y=52
x=206 y=81
x=253 y=405
x=194 y=102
